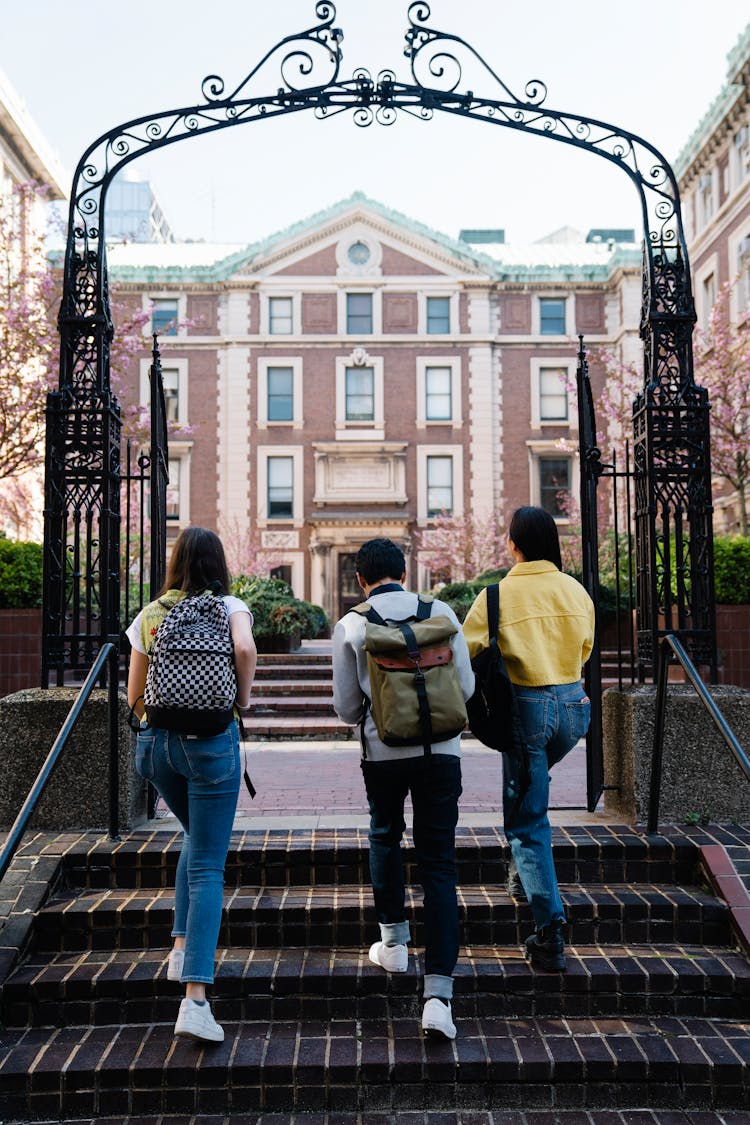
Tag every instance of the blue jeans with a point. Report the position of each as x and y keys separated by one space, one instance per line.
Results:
x=435 y=786
x=199 y=780
x=553 y=719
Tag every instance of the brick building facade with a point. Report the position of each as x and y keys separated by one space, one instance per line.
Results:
x=713 y=171
x=358 y=374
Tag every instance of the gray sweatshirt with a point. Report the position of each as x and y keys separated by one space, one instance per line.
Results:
x=351 y=682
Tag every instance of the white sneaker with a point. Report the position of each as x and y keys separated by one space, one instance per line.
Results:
x=436 y=1019
x=175 y=963
x=196 y=1022
x=392 y=958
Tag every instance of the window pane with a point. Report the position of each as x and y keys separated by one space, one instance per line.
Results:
x=280 y=316
x=173 y=491
x=553 y=394
x=554 y=483
x=439 y=485
x=438 y=392
x=438 y=315
x=280 y=487
x=360 y=399
x=552 y=316
x=164 y=317
x=280 y=394
x=170 y=377
x=359 y=314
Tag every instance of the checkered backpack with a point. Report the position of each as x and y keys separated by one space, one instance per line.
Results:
x=191 y=684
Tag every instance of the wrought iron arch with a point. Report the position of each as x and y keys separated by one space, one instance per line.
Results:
x=671 y=446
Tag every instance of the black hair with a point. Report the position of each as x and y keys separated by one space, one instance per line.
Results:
x=534 y=532
x=379 y=558
x=197 y=563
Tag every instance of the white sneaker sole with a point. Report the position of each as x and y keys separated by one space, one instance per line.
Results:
x=201 y=1033
x=432 y=1031
x=373 y=955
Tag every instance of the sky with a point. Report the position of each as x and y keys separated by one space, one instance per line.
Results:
x=650 y=66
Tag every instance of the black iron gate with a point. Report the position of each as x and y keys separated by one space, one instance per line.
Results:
x=674 y=572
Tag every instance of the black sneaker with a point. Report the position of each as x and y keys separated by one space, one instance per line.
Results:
x=546 y=948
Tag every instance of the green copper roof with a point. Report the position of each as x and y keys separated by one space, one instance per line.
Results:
x=229 y=261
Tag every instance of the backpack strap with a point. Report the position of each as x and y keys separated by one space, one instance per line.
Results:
x=424 y=609
x=367 y=609
x=493 y=612
x=412 y=649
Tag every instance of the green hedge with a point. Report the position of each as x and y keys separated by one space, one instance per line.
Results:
x=20 y=574
x=732 y=570
x=276 y=611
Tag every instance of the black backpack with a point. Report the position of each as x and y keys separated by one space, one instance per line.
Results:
x=492 y=709
x=191 y=683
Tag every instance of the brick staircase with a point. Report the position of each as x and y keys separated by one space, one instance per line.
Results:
x=292 y=697
x=652 y=1015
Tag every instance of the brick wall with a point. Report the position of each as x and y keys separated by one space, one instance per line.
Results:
x=733 y=642
x=20 y=649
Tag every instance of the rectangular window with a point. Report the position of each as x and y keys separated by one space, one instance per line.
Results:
x=439 y=485
x=280 y=487
x=360 y=394
x=709 y=299
x=171 y=381
x=438 y=406
x=173 y=490
x=553 y=395
x=280 y=321
x=283 y=572
x=280 y=394
x=552 y=316
x=438 y=316
x=359 y=314
x=554 y=485
x=164 y=316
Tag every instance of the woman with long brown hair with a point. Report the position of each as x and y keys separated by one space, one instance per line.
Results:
x=197 y=775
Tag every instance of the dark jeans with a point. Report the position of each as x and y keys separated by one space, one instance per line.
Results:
x=435 y=786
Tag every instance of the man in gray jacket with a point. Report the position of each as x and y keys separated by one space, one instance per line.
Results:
x=390 y=773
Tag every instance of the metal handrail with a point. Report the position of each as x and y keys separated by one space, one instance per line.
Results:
x=668 y=647
x=108 y=652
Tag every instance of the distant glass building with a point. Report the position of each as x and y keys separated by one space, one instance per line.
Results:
x=134 y=214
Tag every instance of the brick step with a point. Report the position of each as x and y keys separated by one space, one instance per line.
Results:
x=79 y=988
x=345 y=1064
x=334 y=857
x=263 y=725
x=344 y=915
x=284 y=704
x=296 y=675
x=467 y=1117
x=300 y=657
x=291 y=687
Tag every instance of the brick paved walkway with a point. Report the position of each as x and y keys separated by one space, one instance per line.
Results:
x=319 y=784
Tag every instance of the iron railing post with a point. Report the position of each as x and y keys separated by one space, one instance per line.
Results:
x=113 y=701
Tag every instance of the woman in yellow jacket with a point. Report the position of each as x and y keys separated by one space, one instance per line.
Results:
x=546 y=633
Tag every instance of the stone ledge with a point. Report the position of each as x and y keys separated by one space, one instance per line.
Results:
x=77 y=795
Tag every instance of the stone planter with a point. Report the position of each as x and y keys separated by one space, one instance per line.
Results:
x=278 y=643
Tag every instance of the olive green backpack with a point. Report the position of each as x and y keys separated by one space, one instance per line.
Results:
x=414 y=684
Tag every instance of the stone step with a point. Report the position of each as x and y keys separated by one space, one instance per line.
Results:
x=319 y=1065
x=281 y=705
x=131 y=987
x=260 y=724
x=344 y=915
x=275 y=687
x=583 y=854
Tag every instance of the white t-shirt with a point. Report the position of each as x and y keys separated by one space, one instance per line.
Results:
x=133 y=631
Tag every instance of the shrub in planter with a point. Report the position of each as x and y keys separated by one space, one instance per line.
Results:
x=276 y=611
x=732 y=570
x=20 y=574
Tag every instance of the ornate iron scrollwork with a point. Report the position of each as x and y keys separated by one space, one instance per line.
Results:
x=302 y=73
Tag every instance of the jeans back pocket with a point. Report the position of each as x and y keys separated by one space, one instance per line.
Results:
x=212 y=759
x=144 y=756
x=578 y=714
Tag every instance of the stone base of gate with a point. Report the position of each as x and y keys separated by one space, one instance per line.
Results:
x=700 y=777
x=77 y=795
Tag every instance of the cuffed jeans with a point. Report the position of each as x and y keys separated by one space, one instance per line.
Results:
x=435 y=786
x=553 y=719
x=199 y=780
